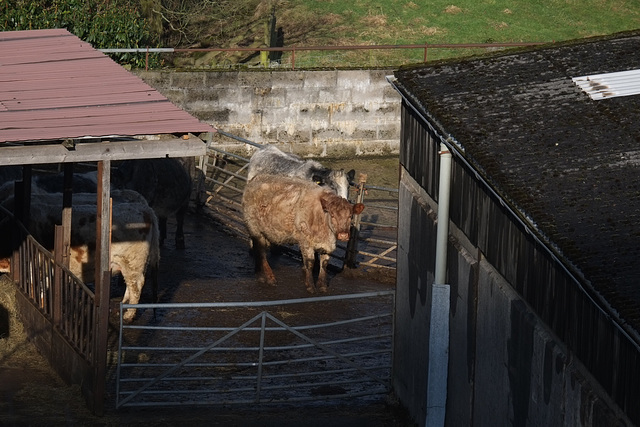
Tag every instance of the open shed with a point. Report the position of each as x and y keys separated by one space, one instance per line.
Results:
x=63 y=102
x=535 y=318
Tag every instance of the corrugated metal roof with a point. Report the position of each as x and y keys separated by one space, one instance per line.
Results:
x=568 y=163
x=610 y=85
x=54 y=86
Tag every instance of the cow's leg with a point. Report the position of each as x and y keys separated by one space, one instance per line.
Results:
x=308 y=260
x=134 y=282
x=180 y=227
x=263 y=269
x=162 y=226
x=322 y=274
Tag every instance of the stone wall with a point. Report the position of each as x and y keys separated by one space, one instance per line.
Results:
x=319 y=113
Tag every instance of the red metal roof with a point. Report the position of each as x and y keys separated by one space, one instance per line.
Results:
x=54 y=86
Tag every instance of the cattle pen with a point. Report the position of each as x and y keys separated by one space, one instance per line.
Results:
x=373 y=236
x=309 y=351
x=372 y=249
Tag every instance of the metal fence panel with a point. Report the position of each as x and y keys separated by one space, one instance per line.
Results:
x=268 y=352
x=376 y=241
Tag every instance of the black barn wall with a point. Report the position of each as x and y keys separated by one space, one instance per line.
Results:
x=560 y=301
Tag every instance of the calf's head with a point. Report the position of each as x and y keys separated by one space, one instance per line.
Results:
x=340 y=211
x=338 y=181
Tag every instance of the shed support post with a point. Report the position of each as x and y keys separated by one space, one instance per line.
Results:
x=17 y=235
x=67 y=202
x=56 y=292
x=103 y=282
x=22 y=213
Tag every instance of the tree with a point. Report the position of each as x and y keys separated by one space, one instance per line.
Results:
x=188 y=22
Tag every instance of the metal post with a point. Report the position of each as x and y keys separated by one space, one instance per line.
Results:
x=437 y=375
x=354 y=231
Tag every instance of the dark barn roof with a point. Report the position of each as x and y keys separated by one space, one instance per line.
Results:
x=568 y=164
x=54 y=86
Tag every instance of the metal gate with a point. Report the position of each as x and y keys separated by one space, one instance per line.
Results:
x=267 y=352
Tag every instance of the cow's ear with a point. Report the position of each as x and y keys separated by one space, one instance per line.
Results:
x=358 y=208
x=325 y=203
x=351 y=175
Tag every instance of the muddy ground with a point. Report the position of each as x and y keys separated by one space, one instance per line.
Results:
x=216 y=266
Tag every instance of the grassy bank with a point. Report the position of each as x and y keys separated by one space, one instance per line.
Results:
x=404 y=22
x=470 y=21
x=440 y=21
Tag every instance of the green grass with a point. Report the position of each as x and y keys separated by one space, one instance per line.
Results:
x=405 y=22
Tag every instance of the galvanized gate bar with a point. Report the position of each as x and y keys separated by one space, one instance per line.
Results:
x=219 y=328
x=259 y=303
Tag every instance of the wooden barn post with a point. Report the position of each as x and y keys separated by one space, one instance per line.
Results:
x=56 y=294
x=17 y=236
x=62 y=245
x=21 y=212
x=103 y=282
x=67 y=199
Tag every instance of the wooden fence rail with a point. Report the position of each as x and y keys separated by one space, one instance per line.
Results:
x=59 y=295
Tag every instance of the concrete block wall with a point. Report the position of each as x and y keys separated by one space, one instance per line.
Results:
x=336 y=113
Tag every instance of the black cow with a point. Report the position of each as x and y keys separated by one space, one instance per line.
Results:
x=166 y=185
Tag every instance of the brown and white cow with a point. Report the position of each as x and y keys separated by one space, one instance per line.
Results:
x=283 y=210
x=135 y=247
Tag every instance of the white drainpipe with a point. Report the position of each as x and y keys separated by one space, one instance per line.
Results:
x=443 y=215
x=440 y=303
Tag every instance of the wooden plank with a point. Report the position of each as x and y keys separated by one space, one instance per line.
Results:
x=97 y=151
x=128 y=120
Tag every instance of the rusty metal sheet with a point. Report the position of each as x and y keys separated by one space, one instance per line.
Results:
x=54 y=86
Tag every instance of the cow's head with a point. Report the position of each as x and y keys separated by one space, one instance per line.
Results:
x=340 y=212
